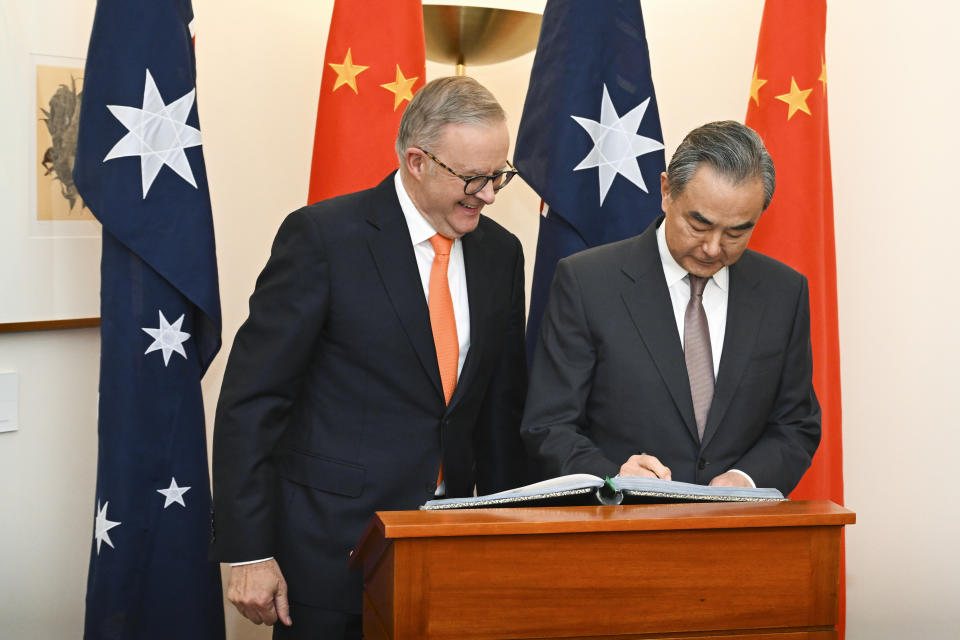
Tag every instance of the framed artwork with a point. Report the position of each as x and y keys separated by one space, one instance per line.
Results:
x=50 y=255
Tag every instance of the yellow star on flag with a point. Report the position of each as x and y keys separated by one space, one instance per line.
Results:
x=755 y=85
x=823 y=74
x=347 y=73
x=401 y=88
x=796 y=99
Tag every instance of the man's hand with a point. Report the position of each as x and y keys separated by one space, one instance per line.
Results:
x=730 y=479
x=644 y=465
x=259 y=592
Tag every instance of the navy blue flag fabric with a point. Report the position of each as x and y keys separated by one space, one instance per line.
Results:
x=589 y=142
x=140 y=169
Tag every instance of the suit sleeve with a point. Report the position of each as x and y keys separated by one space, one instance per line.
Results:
x=269 y=358
x=555 y=428
x=784 y=452
x=502 y=461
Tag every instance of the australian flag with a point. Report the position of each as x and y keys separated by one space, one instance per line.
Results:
x=589 y=142
x=140 y=169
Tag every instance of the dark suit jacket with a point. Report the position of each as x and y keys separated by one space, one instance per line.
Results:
x=609 y=380
x=332 y=405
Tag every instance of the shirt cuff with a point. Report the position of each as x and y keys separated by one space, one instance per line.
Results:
x=240 y=564
x=749 y=479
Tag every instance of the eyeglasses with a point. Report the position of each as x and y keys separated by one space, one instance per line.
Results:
x=475 y=184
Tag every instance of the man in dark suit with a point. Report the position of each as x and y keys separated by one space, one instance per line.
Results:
x=348 y=391
x=627 y=322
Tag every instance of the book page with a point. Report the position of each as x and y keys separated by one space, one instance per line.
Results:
x=667 y=488
x=572 y=481
x=577 y=483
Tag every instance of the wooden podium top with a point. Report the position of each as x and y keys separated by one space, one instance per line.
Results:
x=546 y=520
x=694 y=570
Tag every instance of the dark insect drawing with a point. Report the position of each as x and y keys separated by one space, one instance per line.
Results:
x=61 y=118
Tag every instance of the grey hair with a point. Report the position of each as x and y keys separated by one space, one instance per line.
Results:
x=451 y=100
x=734 y=150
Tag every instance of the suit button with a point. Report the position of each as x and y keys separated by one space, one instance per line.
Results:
x=702 y=464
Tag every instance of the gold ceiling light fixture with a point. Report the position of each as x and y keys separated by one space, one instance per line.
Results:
x=459 y=35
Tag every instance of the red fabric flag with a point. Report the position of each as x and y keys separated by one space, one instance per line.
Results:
x=788 y=108
x=373 y=64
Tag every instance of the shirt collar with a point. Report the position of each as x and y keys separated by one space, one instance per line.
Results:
x=418 y=226
x=674 y=273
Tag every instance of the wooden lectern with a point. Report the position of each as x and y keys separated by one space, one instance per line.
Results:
x=764 y=571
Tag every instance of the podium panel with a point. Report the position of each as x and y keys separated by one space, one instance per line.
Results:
x=759 y=571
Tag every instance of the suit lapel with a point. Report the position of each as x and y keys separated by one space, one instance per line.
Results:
x=392 y=251
x=648 y=302
x=744 y=313
x=478 y=291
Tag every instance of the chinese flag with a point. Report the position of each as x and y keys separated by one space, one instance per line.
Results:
x=373 y=64
x=788 y=108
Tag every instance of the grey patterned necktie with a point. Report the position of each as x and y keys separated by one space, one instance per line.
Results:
x=697 y=352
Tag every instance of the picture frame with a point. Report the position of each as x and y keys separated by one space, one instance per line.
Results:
x=50 y=252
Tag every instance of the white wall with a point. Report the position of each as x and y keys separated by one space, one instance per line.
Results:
x=48 y=466
x=47 y=478
x=894 y=135
x=892 y=95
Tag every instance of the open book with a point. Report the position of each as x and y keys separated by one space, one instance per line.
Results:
x=585 y=489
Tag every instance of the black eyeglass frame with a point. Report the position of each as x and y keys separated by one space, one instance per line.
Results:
x=507 y=175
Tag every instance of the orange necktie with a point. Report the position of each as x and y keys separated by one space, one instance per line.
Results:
x=442 y=320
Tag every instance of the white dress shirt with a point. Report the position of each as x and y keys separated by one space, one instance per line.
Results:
x=715 y=297
x=420 y=233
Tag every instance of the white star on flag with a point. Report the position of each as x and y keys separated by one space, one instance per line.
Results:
x=173 y=493
x=158 y=133
x=616 y=145
x=167 y=338
x=102 y=525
